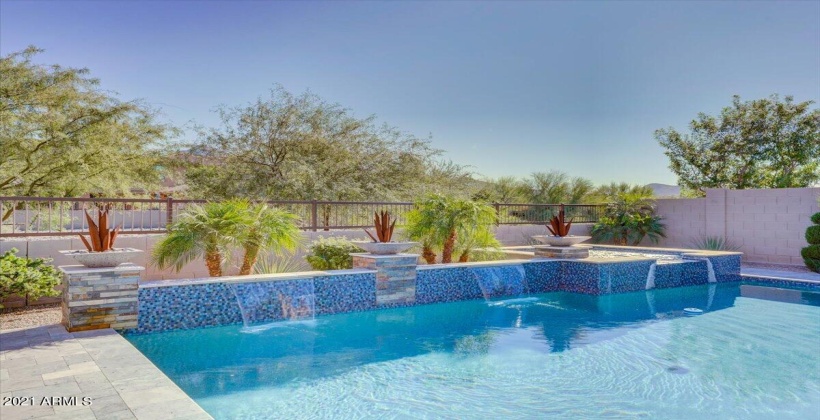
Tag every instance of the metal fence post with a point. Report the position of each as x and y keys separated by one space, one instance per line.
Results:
x=497 y=213
x=314 y=215
x=169 y=212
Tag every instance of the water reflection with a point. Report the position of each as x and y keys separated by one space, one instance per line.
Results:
x=227 y=359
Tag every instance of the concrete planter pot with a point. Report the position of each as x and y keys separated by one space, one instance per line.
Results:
x=569 y=240
x=385 y=248
x=110 y=258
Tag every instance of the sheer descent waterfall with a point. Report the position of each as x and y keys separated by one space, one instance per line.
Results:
x=504 y=280
x=273 y=301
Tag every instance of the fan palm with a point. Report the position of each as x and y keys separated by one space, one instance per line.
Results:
x=437 y=220
x=267 y=228
x=628 y=220
x=208 y=231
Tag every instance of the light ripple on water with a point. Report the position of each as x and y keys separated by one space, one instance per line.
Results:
x=740 y=362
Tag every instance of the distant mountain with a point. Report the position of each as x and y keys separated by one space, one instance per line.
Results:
x=663 y=190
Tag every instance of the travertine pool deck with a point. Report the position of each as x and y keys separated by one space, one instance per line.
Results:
x=99 y=365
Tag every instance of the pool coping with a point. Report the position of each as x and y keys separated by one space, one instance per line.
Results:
x=101 y=365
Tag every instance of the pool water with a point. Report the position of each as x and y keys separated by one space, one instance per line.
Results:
x=753 y=353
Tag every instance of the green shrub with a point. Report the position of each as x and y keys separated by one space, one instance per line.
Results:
x=714 y=243
x=25 y=276
x=627 y=220
x=274 y=264
x=811 y=253
x=813 y=235
x=332 y=253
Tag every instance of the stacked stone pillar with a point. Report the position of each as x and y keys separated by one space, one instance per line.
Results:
x=95 y=298
x=395 y=276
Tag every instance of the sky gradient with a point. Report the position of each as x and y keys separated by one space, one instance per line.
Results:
x=509 y=88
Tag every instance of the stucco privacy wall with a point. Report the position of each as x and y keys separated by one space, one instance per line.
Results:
x=49 y=247
x=769 y=225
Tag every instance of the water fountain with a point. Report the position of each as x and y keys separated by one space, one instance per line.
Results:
x=504 y=280
x=650 y=277
x=273 y=301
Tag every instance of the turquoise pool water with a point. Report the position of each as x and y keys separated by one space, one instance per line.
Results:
x=754 y=353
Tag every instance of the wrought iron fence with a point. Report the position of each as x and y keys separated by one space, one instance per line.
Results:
x=41 y=216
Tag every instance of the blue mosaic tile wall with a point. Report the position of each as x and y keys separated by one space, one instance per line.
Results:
x=446 y=285
x=781 y=283
x=579 y=277
x=688 y=273
x=543 y=275
x=623 y=277
x=727 y=268
x=345 y=293
x=187 y=306
x=212 y=304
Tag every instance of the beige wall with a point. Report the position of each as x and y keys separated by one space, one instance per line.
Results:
x=769 y=225
x=49 y=247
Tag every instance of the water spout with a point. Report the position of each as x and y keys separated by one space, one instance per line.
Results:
x=272 y=301
x=505 y=280
x=711 y=269
x=650 y=277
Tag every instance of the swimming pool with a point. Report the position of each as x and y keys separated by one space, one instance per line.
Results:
x=752 y=354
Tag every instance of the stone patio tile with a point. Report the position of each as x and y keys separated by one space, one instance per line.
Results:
x=174 y=409
x=101 y=406
x=69 y=389
x=83 y=413
x=79 y=357
x=115 y=374
x=26 y=412
x=118 y=415
x=143 y=397
x=24 y=371
x=62 y=380
x=92 y=382
x=78 y=369
x=141 y=383
x=13 y=385
x=100 y=364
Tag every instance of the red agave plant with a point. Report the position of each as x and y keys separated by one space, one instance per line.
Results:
x=557 y=225
x=384 y=229
x=102 y=238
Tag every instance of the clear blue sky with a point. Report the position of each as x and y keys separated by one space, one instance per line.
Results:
x=510 y=88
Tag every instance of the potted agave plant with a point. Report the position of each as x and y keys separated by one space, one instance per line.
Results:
x=559 y=228
x=382 y=243
x=100 y=251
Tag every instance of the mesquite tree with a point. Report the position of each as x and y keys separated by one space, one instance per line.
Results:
x=764 y=143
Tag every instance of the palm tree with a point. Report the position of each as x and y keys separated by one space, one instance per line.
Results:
x=628 y=219
x=267 y=228
x=437 y=220
x=209 y=231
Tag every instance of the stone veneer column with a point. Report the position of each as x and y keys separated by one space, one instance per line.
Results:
x=395 y=276
x=95 y=298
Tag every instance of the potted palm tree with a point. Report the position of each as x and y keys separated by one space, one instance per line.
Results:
x=100 y=251
x=212 y=231
x=382 y=243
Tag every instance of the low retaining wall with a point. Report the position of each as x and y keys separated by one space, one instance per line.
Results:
x=172 y=305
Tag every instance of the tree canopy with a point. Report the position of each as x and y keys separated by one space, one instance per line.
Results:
x=300 y=147
x=61 y=135
x=763 y=143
